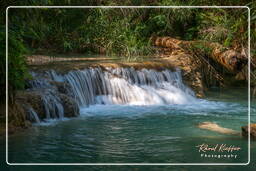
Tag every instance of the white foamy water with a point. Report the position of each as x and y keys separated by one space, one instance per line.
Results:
x=128 y=91
x=128 y=86
x=198 y=107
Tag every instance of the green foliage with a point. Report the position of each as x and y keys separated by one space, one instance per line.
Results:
x=17 y=70
x=200 y=50
x=122 y=32
x=225 y=26
x=116 y=31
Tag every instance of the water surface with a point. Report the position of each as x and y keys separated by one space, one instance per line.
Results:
x=137 y=133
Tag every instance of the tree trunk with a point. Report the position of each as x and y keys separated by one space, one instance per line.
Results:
x=230 y=59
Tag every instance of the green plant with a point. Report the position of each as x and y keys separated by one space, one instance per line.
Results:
x=225 y=26
x=17 y=69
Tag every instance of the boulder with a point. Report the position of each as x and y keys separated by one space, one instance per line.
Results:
x=71 y=108
x=32 y=99
x=62 y=87
x=252 y=131
x=16 y=118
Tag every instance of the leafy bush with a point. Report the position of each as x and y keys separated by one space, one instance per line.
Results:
x=118 y=31
x=17 y=70
x=226 y=26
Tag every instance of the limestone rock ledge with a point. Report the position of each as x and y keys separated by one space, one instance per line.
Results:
x=252 y=131
x=19 y=113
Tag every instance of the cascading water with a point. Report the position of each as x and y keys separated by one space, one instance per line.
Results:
x=128 y=86
x=33 y=115
x=124 y=86
x=52 y=105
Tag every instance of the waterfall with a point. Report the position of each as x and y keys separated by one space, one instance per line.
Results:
x=123 y=86
x=128 y=86
x=52 y=105
x=33 y=115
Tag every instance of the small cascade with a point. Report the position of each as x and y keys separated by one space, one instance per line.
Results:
x=54 y=76
x=84 y=85
x=33 y=115
x=42 y=84
x=128 y=86
x=52 y=105
x=123 y=86
x=38 y=82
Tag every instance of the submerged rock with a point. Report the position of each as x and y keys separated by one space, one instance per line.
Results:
x=216 y=128
x=252 y=131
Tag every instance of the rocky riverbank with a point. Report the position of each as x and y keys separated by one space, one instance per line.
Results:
x=36 y=105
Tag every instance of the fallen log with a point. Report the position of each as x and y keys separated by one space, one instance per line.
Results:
x=216 y=128
x=230 y=59
x=210 y=126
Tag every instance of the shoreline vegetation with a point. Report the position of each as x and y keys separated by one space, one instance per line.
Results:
x=218 y=36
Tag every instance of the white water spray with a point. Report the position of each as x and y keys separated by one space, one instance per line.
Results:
x=33 y=115
x=124 y=86
x=128 y=86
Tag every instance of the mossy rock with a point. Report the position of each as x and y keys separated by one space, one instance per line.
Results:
x=17 y=118
x=71 y=108
x=32 y=99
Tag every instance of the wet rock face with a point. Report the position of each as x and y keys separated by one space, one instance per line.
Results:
x=62 y=87
x=32 y=99
x=46 y=97
x=71 y=108
x=252 y=131
x=191 y=70
x=16 y=118
x=52 y=101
